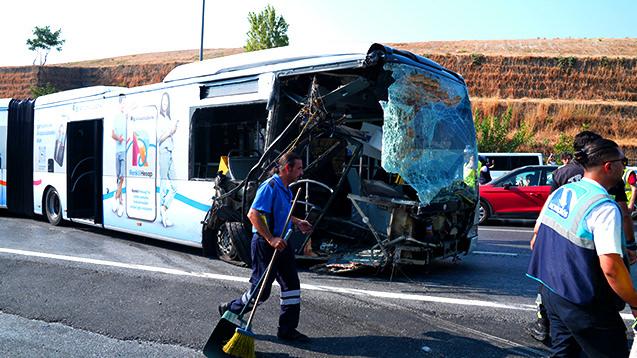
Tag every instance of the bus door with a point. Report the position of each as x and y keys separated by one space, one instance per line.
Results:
x=84 y=169
x=19 y=161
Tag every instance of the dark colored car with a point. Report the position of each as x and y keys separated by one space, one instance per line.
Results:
x=519 y=194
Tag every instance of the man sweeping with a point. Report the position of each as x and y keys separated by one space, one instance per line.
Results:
x=268 y=215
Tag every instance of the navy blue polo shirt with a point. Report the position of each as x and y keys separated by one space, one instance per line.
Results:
x=274 y=199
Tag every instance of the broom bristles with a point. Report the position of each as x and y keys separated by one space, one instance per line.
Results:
x=241 y=344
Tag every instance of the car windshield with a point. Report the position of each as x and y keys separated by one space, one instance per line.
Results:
x=537 y=176
x=529 y=177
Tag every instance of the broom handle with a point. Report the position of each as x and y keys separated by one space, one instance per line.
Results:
x=266 y=275
x=256 y=287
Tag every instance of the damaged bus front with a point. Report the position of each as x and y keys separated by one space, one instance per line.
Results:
x=390 y=153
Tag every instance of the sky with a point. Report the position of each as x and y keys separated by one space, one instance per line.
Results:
x=101 y=29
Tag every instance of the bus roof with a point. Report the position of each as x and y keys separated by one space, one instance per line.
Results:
x=4 y=103
x=290 y=57
x=74 y=94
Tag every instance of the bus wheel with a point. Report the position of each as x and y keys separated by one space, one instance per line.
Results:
x=208 y=244
x=53 y=207
x=232 y=243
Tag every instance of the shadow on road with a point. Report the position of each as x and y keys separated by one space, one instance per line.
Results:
x=434 y=344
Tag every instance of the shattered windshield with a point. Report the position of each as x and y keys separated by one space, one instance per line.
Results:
x=428 y=132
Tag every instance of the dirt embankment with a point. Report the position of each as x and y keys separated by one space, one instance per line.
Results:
x=553 y=86
x=546 y=77
x=17 y=82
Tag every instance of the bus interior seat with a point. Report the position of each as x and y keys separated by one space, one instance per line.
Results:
x=239 y=167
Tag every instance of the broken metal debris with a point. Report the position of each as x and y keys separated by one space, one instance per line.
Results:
x=394 y=144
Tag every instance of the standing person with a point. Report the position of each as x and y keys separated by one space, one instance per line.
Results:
x=630 y=188
x=268 y=214
x=550 y=160
x=119 y=135
x=167 y=128
x=577 y=257
x=485 y=170
x=573 y=171
x=566 y=158
x=469 y=172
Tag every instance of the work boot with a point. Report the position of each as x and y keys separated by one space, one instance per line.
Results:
x=292 y=335
x=223 y=308
x=539 y=330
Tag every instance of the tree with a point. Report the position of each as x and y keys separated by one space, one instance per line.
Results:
x=495 y=133
x=43 y=41
x=37 y=91
x=267 y=30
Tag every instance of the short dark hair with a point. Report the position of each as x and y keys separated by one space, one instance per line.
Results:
x=285 y=159
x=583 y=138
x=566 y=156
x=597 y=152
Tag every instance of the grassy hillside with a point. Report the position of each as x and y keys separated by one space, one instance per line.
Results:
x=554 y=86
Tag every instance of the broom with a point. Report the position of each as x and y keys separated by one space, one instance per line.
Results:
x=242 y=342
x=226 y=327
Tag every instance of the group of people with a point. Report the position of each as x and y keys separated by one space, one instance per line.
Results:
x=565 y=158
x=582 y=248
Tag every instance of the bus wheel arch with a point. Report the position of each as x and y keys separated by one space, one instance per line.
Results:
x=52 y=206
x=208 y=242
x=232 y=243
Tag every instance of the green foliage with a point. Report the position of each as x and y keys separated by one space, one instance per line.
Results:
x=564 y=144
x=477 y=59
x=566 y=63
x=493 y=133
x=604 y=61
x=37 y=91
x=267 y=30
x=43 y=41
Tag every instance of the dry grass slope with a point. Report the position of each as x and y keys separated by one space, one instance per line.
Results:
x=554 y=85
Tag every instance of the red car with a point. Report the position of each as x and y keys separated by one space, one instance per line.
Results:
x=519 y=194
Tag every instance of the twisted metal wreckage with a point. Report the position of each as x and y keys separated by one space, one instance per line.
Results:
x=387 y=149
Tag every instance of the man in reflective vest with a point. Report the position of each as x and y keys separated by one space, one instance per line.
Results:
x=630 y=180
x=572 y=172
x=577 y=257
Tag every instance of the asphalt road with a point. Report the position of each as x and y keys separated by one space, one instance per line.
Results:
x=77 y=291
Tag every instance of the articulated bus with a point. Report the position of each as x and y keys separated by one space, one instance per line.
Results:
x=387 y=138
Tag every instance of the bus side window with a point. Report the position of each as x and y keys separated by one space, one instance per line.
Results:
x=500 y=163
x=522 y=161
x=221 y=131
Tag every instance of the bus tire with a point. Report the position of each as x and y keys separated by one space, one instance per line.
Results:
x=208 y=244
x=53 y=207
x=233 y=245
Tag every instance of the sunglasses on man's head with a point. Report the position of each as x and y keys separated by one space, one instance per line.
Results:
x=623 y=160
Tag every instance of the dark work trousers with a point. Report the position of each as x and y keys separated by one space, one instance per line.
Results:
x=597 y=330
x=284 y=271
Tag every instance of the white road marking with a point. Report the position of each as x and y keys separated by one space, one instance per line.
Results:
x=322 y=288
x=124 y=265
x=311 y=287
x=504 y=230
x=493 y=253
